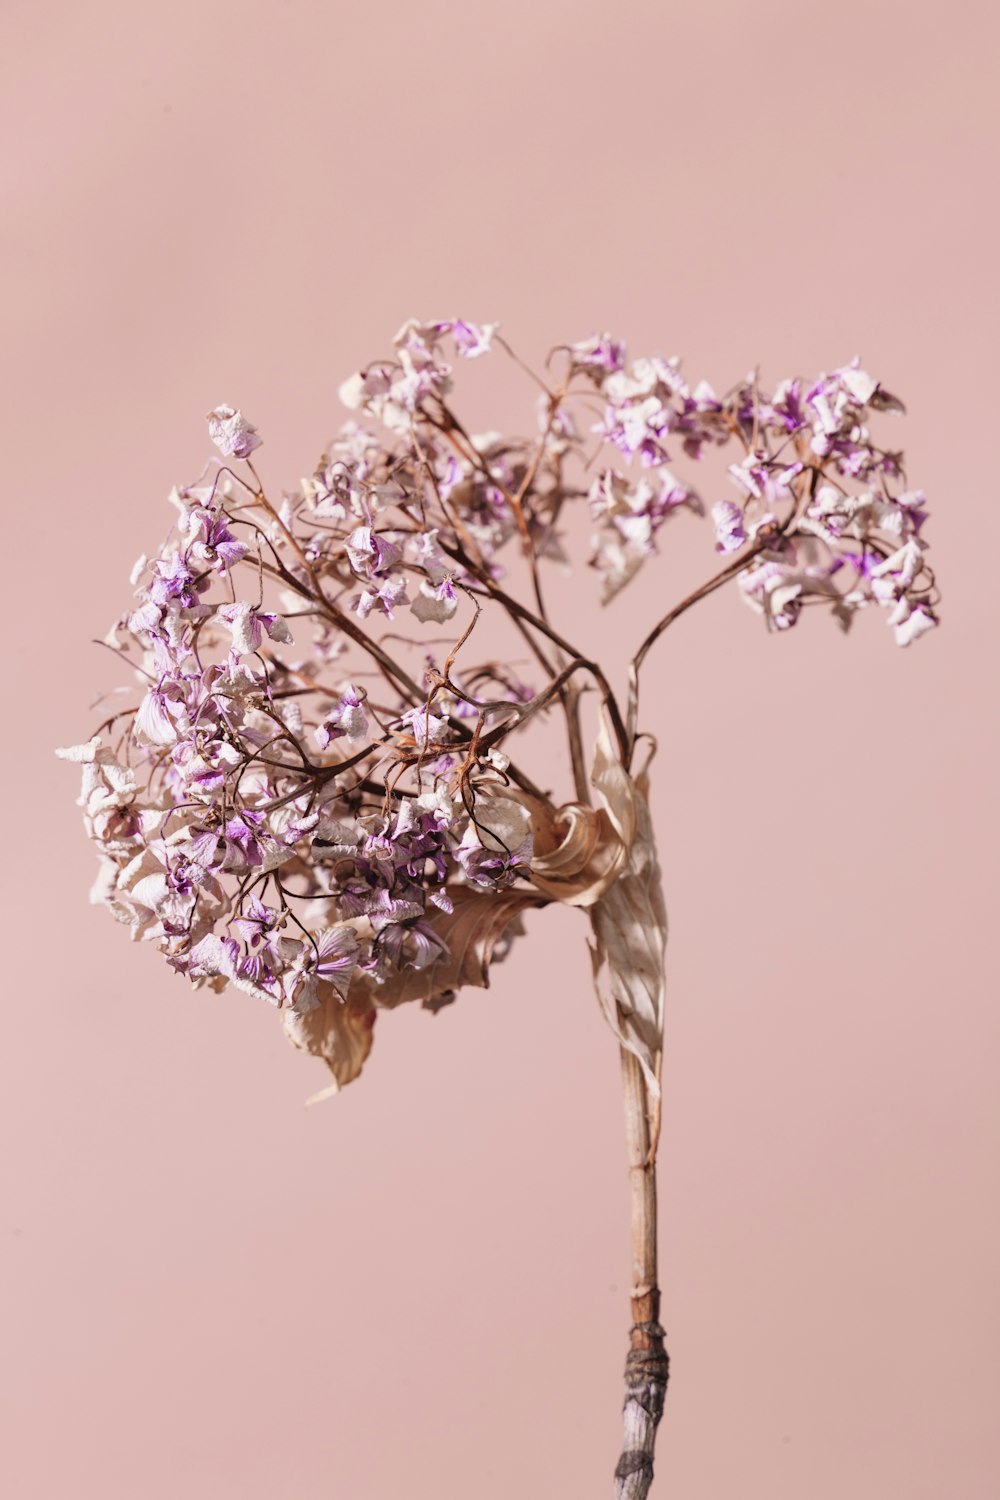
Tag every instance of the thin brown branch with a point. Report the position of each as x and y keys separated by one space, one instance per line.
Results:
x=608 y=697
x=766 y=537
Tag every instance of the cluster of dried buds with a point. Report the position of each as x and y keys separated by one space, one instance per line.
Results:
x=316 y=796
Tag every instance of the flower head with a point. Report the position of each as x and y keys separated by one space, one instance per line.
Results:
x=231 y=433
x=320 y=790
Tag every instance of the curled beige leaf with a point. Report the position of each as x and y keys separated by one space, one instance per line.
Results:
x=629 y=922
x=578 y=853
x=614 y=786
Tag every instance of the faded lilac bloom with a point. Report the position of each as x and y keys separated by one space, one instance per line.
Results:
x=785 y=410
x=632 y=511
x=231 y=433
x=249 y=625
x=637 y=427
x=211 y=544
x=242 y=838
x=256 y=922
x=599 y=353
x=497 y=845
x=303 y=823
x=370 y=553
x=426 y=728
x=730 y=529
x=898 y=572
x=758 y=475
x=471 y=339
x=347 y=717
x=385 y=599
x=173 y=581
x=896 y=585
x=778 y=584
x=204 y=763
x=435 y=601
x=337 y=955
x=911 y=622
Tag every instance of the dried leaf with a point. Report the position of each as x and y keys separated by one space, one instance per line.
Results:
x=629 y=922
x=578 y=854
x=614 y=785
x=472 y=931
x=339 y=1031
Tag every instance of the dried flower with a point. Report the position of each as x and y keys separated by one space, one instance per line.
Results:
x=231 y=433
x=271 y=824
x=339 y=815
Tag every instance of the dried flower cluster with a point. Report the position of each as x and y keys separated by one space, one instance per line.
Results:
x=314 y=798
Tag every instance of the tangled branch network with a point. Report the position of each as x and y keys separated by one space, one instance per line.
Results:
x=320 y=796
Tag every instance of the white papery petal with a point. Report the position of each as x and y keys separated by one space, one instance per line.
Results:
x=151 y=891
x=86 y=753
x=916 y=624
x=239 y=619
x=501 y=825
x=278 y=630
x=352 y=391
x=427 y=606
x=859 y=383
x=153 y=722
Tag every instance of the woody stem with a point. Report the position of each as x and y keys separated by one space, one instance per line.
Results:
x=647 y=1366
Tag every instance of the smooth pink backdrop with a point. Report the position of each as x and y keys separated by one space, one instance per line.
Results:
x=419 y=1289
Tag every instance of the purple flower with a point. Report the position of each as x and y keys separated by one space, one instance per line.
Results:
x=407 y=945
x=256 y=922
x=242 y=838
x=389 y=595
x=231 y=433
x=347 y=717
x=863 y=563
x=426 y=728
x=498 y=845
x=785 y=409
x=895 y=584
x=173 y=582
x=370 y=553
x=730 y=531
x=207 y=848
x=212 y=544
x=777 y=587
x=337 y=956
x=249 y=625
x=435 y=601
x=471 y=339
x=598 y=355
x=636 y=429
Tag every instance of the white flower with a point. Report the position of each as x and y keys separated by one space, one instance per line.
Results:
x=231 y=433
x=435 y=602
x=248 y=625
x=914 y=624
x=501 y=825
x=858 y=382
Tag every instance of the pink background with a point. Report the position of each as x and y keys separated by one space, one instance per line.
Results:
x=419 y=1289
